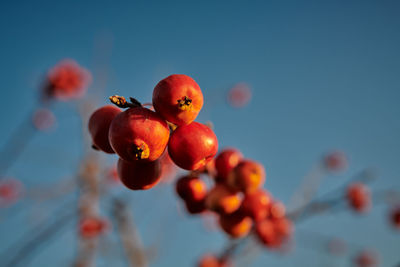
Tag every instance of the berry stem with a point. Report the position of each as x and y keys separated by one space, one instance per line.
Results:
x=121 y=102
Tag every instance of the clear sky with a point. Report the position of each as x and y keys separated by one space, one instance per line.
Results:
x=324 y=74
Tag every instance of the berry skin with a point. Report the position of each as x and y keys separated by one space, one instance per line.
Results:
x=138 y=175
x=192 y=146
x=191 y=188
x=222 y=200
x=138 y=134
x=99 y=125
x=256 y=205
x=195 y=207
x=358 y=197
x=178 y=99
x=236 y=225
x=225 y=162
x=247 y=176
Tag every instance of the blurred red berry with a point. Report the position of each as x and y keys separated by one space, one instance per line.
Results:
x=256 y=205
x=99 y=125
x=225 y=162
x=239 y=95
x=138 y=175
x=67 y=80
x=277 y=210
x=366 y=259
x=195 y=206
x=91 y=227
x=236 y=225
x=335 y=161
x=178 y=99
x=10 y=191
x=192 y=146
x=267 y=234
x=222 y=200
x=248 y=176
x=191 y=188
x=395 y=217
x=138 y=134
x=43 y=119
x=358 y=197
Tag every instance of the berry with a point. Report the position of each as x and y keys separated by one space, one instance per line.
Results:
x=225 y=162
x=240 y=95
x=192 y=146
x=222 y=200
x=91 y=227
x=283 y=227
x=138 y=175
x=43 y=119
x=191 y=188
x=10 y=191
x=335 y=161
x=366 y=259
x=256 y=205
x=178 y=99
x=395 y=217
x=236 y=225
x=247 y=176
x=138 y=134
x=67 y=80
x=267 y=234
x=99 y=125
x=358 y=197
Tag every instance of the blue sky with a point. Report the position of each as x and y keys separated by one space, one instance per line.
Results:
x=324 y=74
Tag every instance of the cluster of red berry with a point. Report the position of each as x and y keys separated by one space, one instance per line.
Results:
x=140 y=136
x=238 y=199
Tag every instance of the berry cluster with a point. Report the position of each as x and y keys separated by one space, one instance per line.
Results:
x=237 y=198
x=140 y=136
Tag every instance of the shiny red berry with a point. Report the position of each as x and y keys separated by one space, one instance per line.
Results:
x=139 y=175
x=178 y=99
x=222 y=200
x=99 y=125
x=236 y=225
x=192 y=146
x=139 y=134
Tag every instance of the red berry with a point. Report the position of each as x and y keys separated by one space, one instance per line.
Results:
x=92 y=227
x=247 y=176
x=283 y=227
x=267 y=233
x=366 y=259
x=222 y=200
x=138 y=134
x=191 y=188
x=395 y=217
x=139 y=175
x=256 y=205
x=226 y=161
x=335 y=161
x=67 y=80
x=358 y=197
x=99 y=125
x=240 y=95
x=192 y=146
x=236 y=224
x=10 y=191
x=178 y=99
x=43 y=119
